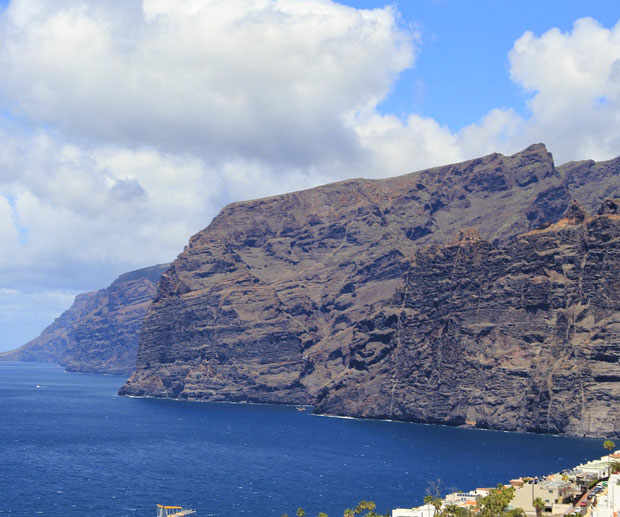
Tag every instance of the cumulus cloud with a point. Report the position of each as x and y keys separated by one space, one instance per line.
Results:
x=103 y=207
x=128 y=125
x=267 y=79
x=574 y=80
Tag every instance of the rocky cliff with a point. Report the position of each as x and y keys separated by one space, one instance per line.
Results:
x=523 y=337
x=368 y=298
x=99 y=333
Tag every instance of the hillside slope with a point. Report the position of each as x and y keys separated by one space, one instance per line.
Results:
x=432 y=297
x=521 y=337
x=99 y=333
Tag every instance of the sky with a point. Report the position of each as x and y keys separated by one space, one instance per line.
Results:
x=126 y=126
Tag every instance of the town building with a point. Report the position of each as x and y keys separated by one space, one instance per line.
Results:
x=427 y=510
x=608 y=502
x=551 y=492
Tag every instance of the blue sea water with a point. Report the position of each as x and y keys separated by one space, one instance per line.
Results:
x=70 y=447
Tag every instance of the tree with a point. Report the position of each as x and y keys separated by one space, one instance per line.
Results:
x=453 y=510
x=349 y=513
x=434 y=501
x=321 y=514
x=369 y=506
x=497 y=501
x=364 y=505
x=300 y=512
x=610 y=446
x=539 y=505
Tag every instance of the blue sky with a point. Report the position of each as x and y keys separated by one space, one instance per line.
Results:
x=462 y=71
x=126 y=126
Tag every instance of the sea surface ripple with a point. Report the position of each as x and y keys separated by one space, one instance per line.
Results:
x=69 y=446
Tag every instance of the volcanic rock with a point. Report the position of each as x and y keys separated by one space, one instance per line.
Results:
x=479 y=293
x=99 y=333
x=521 y=337
x=262 y=304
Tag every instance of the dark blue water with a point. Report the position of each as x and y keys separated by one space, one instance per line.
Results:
x=71 y=447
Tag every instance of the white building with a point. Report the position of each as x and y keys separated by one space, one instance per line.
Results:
x=551 y=492
x=471 y=496
x=427 y=510
x=608 y=504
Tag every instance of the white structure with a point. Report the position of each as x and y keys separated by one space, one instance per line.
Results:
x=598 y=467
x=608 y=504
x=463 y=497
x=427 y=510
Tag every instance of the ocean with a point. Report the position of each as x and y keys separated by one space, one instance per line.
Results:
x=69 y=446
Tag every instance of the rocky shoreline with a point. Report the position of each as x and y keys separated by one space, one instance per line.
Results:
x=479 y=294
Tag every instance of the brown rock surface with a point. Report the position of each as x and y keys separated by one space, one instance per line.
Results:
x=429 y=297
x=99 y=333
x=251 y=309
x=523 y=337
x=591 y=182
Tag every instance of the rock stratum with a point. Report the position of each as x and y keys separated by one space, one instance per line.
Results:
x=99 y=333
x=479 y=293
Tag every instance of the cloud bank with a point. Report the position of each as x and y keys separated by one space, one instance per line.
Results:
x=127 y=125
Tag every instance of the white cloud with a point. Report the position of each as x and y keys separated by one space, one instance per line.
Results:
x=13 y=300
x=103 y=207
x=396 y=147
x=133 y=122
x=575 y=81
x=9 y=233
x=267 y=79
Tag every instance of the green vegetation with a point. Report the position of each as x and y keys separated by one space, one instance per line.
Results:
x=363 y=506
x=539 y=504
x=493 y=505
x=455 y=511
x=496 y=503
x=610 y=446
x=369 y=507
x=434 y=501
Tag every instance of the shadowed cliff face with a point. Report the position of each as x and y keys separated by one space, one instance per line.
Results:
x=523 y=337
x=367 y=298
x=262 y=303
x=99 y=333
x=590 y=182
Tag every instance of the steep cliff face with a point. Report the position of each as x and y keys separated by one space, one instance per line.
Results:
x=523 y=337
x=372 y=298
x=590 y=182
x=262 y=303
x=99 y=333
